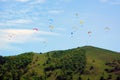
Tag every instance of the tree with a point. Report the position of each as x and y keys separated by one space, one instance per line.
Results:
x=88 y=79
x=91 y=68
x=109 y=77
x=79 y=78
x=118 y=78
x=102 y=78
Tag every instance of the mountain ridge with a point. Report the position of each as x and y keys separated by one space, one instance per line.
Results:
x=81 y=63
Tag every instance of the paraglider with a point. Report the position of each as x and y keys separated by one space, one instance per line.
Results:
x=36 y=29
x=71 y=34
x=11 y=36
x=51 y=27
x=89 y=33
x=50 y=21
x=77 y=14
x=81 y=22
x=45 y=43
x=107 y=28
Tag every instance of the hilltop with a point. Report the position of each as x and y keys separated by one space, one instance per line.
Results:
x=82 y=63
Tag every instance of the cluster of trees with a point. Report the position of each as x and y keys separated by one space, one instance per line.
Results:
x=109 y=78
x=13 y=67
x=65 y=64
x=62 y=64
x=115 y=66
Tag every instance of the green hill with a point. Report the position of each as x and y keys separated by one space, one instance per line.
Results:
x=82 y=63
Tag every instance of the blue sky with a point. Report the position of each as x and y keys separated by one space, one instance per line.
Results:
x=46 y=25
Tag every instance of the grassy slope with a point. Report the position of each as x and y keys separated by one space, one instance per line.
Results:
x=99 y=56
x=37 y=65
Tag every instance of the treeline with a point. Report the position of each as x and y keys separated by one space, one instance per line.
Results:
x=13 y=67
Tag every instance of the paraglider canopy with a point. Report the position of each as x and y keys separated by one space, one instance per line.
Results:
x=81 y=22
x=71 y=33
x=107 y=28
x=36 y=29
x=89 y=33
x=50 y=21
x=51 y=27
x=11 y=36
x=77 y=14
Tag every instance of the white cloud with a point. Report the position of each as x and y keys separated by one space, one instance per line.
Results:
x=22 y=0
x=16 y=0
x=3 y=0
x=65 y=0
x=20 y=36
x=33 y=1
x=104 y=1
x=113 y=2
x=15 y=35
x=116 y=3
x=19 y=21
x=29 y=1
x=38 y=1
x=55 y=11
x=15 y=22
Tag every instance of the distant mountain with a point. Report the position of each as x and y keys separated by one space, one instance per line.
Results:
x=82 y=63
